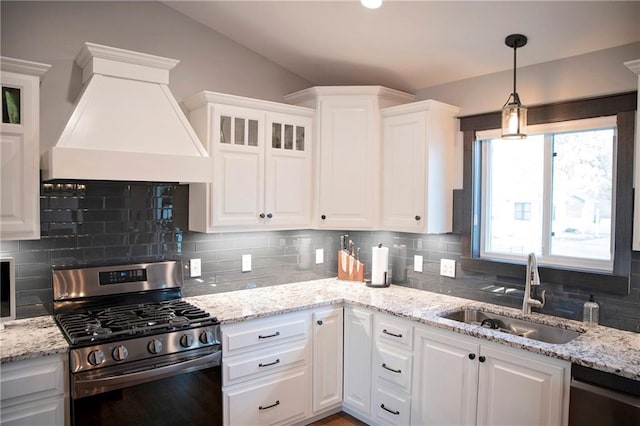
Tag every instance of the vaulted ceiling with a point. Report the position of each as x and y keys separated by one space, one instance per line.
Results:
x=411 y=45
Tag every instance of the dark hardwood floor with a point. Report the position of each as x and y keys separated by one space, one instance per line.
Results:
x=338 y=419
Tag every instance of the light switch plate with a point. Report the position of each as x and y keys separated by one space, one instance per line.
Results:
x=448 y=268
x=195 y=268
x=417 y=263
x=319 y=256
x=246 y=262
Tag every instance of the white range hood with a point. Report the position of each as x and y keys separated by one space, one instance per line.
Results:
x=126 y=124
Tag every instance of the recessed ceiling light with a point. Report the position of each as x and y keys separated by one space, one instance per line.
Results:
x=371 y=4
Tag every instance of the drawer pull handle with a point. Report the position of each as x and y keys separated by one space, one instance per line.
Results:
x=277 y=333
x=395 y=413
x=399 y=336
x=277 y=361
x=269 y=406
x=393 y=370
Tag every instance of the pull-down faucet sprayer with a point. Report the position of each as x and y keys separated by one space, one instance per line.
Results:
x=532 y=278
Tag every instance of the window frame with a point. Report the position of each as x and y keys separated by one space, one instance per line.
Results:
x=623 y=106
x=548 y=131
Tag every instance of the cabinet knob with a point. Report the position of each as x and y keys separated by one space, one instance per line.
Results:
x=418 y=217
x=472 y=356
x=269 y=215
x=319 y=322
x=261 y=215
x=323 y=217
x=481 y=358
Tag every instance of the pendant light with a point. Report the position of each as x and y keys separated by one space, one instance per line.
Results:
x=514 y=115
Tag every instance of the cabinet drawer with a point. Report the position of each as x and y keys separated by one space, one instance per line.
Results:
x=278 y=402
x=30 y=379
x=391 y=409
x=45 y=412
x=393 y=367
x=263 y=333
x=393 y=331
x=238 y=369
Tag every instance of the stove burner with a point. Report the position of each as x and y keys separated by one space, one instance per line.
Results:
x=104 y=323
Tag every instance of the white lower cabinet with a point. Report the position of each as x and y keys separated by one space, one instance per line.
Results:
x=327 y=358
x=461 y=380
x=283 y=369
x=358 y=328
x=34 y=392
x=392 y=370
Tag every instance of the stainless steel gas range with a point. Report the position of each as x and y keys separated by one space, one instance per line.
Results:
x=139 y=353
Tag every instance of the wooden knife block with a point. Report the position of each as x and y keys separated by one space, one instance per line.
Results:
x=349 y=268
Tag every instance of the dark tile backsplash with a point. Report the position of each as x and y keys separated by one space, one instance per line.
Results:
x=94 y=223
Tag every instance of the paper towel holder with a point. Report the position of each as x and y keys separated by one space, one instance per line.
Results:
x=385 y=284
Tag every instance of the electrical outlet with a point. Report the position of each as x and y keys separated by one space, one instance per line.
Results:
x=246 y=262
x=195 y=269
x=448 y=268
x=319 y=256
x=417 y=263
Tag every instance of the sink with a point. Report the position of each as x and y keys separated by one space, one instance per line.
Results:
x=518 y=327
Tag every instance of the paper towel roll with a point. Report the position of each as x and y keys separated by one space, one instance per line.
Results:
x=379 y=265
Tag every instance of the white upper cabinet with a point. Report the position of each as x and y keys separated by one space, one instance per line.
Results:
x=347 y=155
x=20 y=149
x=261 y=159
x=417 y=167
x=635 y=67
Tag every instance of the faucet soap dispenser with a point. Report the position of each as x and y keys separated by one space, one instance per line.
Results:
x=591 y=312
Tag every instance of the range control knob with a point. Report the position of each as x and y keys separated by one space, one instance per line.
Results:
x=186 y=340
x=155 y=346
x=206 y=337
x=120 y=353
x=96 y=357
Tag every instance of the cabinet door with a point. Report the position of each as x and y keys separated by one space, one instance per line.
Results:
x=237 y=191
x=516 y=388
x=288 y=171
x=358 y=326
x=404 y=173
x=327 y=358
x=348 y=171
x=19 y=157
x=445 y=380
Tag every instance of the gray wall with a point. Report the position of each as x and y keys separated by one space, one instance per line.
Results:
x=54 y=32
x=593 y=74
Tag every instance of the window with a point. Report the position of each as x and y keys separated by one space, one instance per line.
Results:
x=476 y=128
x=551 y=194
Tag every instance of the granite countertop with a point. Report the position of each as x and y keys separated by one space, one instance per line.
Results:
x=602 y=348
x=31 y=338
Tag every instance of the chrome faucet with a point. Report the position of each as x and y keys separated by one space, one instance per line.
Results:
x=532 y=278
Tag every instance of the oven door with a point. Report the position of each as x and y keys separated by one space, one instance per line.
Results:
x=182 y=389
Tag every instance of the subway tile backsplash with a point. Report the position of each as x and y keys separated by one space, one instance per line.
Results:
x=91 y=223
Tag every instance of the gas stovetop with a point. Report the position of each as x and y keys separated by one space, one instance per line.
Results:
x=101 y=324
x=130 y=316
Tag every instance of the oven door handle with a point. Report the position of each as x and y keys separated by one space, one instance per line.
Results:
x=94 y=386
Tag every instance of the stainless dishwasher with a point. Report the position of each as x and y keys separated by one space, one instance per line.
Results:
x=603 y=399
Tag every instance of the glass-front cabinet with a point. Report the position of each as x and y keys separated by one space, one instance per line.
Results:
x=20 y=149
x=261 y=158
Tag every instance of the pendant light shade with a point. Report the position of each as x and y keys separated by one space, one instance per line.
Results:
x=514 y=114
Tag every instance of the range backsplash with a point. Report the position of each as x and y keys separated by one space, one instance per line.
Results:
x=92 y=223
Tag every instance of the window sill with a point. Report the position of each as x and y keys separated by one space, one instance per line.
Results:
x=601 y=281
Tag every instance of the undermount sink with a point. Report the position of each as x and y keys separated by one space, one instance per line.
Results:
x=518 y=327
